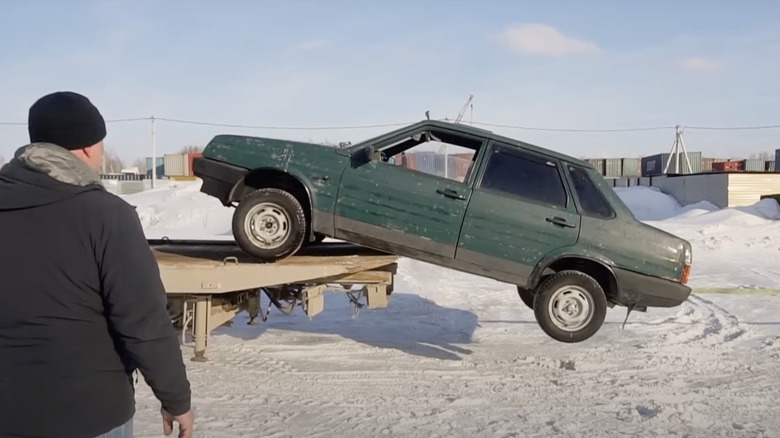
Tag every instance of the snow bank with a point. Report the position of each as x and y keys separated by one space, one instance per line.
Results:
x=178 y=210
x=649 y=203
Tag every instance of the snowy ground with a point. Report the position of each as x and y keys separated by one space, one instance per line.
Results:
x=459 y=355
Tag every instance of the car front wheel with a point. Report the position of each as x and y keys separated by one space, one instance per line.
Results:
x=570 y=306
x=269 y=224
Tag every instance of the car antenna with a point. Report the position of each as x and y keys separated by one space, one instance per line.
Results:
x=628 y=312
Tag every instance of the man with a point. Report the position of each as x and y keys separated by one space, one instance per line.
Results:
x=82 y=305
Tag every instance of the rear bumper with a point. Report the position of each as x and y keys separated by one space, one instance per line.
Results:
x=219 y=178
x=646 y=291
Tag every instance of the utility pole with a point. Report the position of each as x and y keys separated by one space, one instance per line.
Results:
x=678 y=147
x=154 y=156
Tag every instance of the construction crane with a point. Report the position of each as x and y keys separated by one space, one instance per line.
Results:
x=465 y=107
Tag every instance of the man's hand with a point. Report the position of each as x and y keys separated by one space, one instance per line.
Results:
x=186 y=423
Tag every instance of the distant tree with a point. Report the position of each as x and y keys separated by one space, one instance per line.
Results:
x=111 y=163
x=191 y=149
x=140 y=164
x=2 y=160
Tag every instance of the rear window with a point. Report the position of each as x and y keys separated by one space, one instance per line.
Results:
x=592 y=201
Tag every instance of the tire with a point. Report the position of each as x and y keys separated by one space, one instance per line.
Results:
x=281 y=215
x=570 y=288
x=526 y=296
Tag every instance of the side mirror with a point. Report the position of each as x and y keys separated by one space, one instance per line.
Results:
x=362 y=156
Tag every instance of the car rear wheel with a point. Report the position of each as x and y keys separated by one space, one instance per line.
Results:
x=570 y=306
x=269 y=224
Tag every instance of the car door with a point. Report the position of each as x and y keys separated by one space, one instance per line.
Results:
x=519 y=211
x=400 y=210
x=408 y=211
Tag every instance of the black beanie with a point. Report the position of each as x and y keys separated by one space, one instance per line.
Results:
x=66 y=119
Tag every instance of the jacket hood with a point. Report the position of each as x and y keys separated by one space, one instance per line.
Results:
x=42 y=174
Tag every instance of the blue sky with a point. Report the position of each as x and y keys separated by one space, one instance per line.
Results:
x=552 y=64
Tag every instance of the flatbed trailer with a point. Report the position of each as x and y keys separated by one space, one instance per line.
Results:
x=209 y=282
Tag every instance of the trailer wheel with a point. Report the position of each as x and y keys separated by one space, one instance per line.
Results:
x=269 y=224
x=570 y=306
x=526 y=296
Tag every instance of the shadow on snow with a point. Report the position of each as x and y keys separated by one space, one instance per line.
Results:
x=410 y=323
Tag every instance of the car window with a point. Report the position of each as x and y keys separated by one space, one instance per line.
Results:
x=524 y=175
x=591 y=200
x=436 y=153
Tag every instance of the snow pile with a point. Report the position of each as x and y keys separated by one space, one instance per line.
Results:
x=178 y=210
x=649 y=203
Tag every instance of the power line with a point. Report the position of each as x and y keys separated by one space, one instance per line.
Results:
x=136 y=119
x=389 y=125
x=291 y=128
x=530 y=128
x=732 y=128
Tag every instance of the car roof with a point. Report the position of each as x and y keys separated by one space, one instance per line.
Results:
x=467 y=129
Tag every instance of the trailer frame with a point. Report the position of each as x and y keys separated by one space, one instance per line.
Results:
x=209 y=282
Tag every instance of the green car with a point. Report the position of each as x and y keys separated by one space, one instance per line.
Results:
x=499 y=208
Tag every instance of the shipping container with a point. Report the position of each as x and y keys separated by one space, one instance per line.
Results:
x=695 y=160
x=654 y=165
x=613 y=167
x=191 y=158
x=409 y=161
x=160 y=167
x=728 y=166
x=440 y=164
x=632 y=167
x=176 y=164
x=706 y=163
x=597 y=163
x=458 y=166
x=770 y=166
x=754 y=165
x=426 y=162
x=777 y=157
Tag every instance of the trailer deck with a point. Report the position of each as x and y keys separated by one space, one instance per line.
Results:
x=209 y=282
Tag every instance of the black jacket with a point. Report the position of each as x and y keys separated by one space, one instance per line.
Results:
x=81 y=307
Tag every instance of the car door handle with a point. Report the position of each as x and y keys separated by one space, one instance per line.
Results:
x=557 y=220
x=450 y=193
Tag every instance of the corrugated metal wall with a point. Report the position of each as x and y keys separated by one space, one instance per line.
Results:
x=747 y=188
x=690 y=189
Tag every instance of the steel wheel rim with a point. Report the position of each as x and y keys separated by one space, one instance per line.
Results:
x=571 y=308
x=267 y=225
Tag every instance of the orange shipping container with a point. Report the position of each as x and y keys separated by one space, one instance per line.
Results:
x=191 y=160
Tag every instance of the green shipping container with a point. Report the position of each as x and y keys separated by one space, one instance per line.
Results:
x=598 y=163
x=632 y=167
x=754 y=165
x=613 y=167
